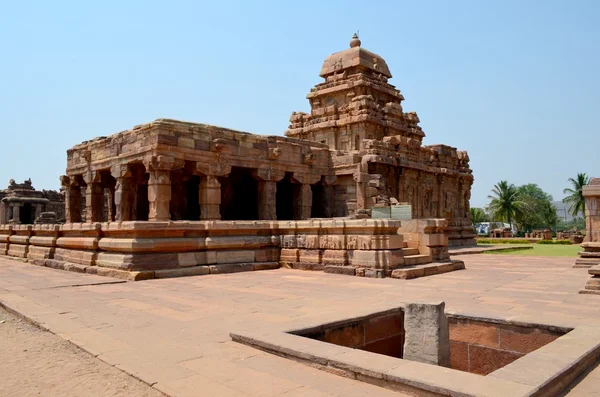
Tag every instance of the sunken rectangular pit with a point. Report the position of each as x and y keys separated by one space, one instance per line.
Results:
x=479 y=346
x=463 y=355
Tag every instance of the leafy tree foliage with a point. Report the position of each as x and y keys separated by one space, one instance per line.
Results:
x=527 y=206
x=478 y=215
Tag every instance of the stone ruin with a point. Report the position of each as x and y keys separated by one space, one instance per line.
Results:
x=20 y=203
x=590 y=256
x=169 y=195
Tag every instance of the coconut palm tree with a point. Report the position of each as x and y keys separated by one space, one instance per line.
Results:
x=575 y=195
x=505 y=204
x=478 y=215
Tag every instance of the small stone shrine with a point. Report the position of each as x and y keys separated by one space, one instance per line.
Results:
x=20 y=203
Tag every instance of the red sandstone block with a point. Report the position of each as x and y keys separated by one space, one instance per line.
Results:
x=383 y=327
x=265 y=265
x=474 y=332
x=459 y=356
x=484 y=360
x=392 y=346
x=231 y=268
x=351 y=335
x=345 y=270
x=267 y=254
x=524 y=340
x=307 y=266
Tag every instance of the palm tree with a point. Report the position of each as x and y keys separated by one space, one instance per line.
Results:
x=548 y=215
x=575 y=195
x=478 y=215
x=505 y=203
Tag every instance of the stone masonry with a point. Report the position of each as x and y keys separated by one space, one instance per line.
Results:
x=377 y=153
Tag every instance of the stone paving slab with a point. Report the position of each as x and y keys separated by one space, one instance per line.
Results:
x=174 y=333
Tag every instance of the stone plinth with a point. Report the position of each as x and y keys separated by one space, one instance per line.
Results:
x=138 y=250
x=593 y=284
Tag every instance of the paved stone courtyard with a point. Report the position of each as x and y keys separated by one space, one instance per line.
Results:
x=174 y=333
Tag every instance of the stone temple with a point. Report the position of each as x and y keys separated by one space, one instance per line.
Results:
x=357 y=149
x=20 y=203
x=139 y=200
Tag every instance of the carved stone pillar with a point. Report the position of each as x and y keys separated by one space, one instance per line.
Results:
x=159 y=195
x=303 y=205
x=159 y=186
x=304 y=199
x=440 y=206
x=65 y=183
x=209 y=190
x=2 y=213
x=328 y=196
x=361 y=187
x=210 y=197
x=267 y=191
x=94 y=199
x=16 y=213
x=267 y=206
x=38 y=211
x=122 y=194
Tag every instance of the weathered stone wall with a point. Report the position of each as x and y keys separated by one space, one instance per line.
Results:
x=482 y=347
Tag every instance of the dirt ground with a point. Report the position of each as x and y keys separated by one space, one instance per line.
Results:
x=38 y=363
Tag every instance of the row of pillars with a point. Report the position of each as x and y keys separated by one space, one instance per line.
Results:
x=121 y=183
x=11 y=212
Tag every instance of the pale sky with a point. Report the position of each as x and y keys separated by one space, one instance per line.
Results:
x=516 y=83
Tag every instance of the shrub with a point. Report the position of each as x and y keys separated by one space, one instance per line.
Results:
x=556 y=242
x=503 y=241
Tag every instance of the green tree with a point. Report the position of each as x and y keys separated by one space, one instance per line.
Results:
x=478 y=215
x=505 y=204
x=536 y=209
x=548 y=215
x=575 y=194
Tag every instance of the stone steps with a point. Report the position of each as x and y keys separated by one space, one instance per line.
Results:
x=428 y=269
x=410 y=251
x=412 y=260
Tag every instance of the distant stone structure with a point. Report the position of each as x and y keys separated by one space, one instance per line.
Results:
x=20 y=203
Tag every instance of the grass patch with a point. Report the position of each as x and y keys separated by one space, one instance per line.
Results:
x=503 y=241
x=556 y=242
x=543 y=250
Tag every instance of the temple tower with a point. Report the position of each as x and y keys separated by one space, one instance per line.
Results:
x=355 y=102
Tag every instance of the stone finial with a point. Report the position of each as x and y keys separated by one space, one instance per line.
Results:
x=355 y=42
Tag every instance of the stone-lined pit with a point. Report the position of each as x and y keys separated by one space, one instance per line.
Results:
x=477 y=346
